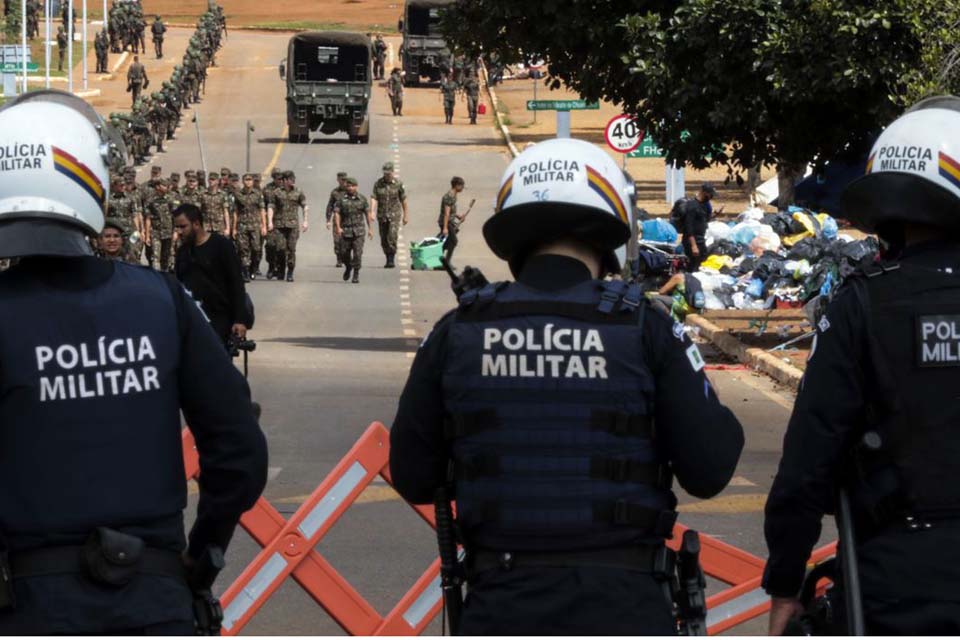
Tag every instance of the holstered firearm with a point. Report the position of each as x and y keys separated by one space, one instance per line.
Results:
x=690 y=596
x=451 y=570
x=207 y=612
x=469 y=280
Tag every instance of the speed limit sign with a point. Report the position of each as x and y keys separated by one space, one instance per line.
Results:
x=624 y=134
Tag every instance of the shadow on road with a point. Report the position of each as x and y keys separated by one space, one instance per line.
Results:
x=379 y=345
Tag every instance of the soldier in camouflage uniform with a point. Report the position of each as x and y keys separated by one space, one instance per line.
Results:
x=448 y=87
x=191 y=194
x=389 y=206
x=395 y=91
x=352 y=217
x=216 y=212
x=147 y=192
x=124 y=208
x=471 y=87
x=201 y=181
x=269 y=241
x=132 y=190
x=174 y=183
x=335 y=195
x=286 y=220
x=112 y=243
x=249 y=225
x=160 y=233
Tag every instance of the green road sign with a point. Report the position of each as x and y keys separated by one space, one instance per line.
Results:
x=16 y=67
x=561 y=105
x=647 y=149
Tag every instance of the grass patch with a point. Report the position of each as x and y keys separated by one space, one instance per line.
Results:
x=309 y=25
x=503 y=108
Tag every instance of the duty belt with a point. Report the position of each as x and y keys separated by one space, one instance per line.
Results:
x=653 y=559
x=52 y=561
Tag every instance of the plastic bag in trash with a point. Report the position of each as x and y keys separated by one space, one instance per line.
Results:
x=745 y=232
x=754 y=215
x=659 y=230
x=717 y=231
x=809 y=249
x=716 y=263
x=859 y=251
x=727 y=248
x=765 y=240
x=755 y=288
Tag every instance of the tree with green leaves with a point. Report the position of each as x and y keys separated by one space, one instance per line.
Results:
x=774 y=82
x=11 y=26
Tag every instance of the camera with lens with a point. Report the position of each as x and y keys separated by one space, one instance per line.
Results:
x=235 y=345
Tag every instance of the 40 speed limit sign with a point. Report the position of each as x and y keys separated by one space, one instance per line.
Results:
x=624 y=134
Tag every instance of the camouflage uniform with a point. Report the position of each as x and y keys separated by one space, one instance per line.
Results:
x=191 y=196
x=123 y=208
x=287 y=222
x=472 y=88
x=214 y=204
x=390 y=197
x=335 y=196
x=395 y=91
x=270 y=241
x=353 y=212
x=160 y=211
x=449 y=89
x=249 y=205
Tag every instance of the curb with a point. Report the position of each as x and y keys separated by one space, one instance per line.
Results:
x=92 y=93
x=119 y=63
x=758 y=359
x=504 y=131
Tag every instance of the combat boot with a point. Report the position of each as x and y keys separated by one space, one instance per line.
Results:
x=346 y=273
x=356 y=276
x=245 y=274
x=290 y=274
x=390 y=262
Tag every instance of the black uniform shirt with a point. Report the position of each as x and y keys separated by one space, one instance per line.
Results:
x=828 y=417
x=700 y=437
x=696 y=217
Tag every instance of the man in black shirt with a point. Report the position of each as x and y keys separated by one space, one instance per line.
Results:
x=208 y=265
x=691 y=217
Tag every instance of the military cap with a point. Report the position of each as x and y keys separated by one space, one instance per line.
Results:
x=289 y=175
x=351 y=181
x=156 y=170
x=249 y=175
x=115 y=177
x=276 y=173
x=115 y=223
x=163 y=181
x=341 y=175
x=213 y=178
x=174 y=176
x=388 y=166
x=129 y=171
x=234 y=176
x=225 y=171
x=189 y=173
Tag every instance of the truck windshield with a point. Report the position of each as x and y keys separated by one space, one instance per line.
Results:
x=424 y=21
x=320 y=63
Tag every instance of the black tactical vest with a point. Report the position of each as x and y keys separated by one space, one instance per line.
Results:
x=550 y=411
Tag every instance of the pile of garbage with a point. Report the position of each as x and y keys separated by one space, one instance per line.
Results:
x=776 y=260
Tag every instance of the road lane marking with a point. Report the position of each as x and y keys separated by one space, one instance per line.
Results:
x=740 y=481
x=735 y=504
x=276 y=152
x=409 y=332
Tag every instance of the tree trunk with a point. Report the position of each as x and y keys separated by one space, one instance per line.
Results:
x=788 y=176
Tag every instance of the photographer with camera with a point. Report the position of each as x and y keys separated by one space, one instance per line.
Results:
x=208 y=266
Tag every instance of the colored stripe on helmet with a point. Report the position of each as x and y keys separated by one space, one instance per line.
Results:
x=950 y=169
x=606 y=191
x=870 y=163
x=69 y=166
x=505 y=192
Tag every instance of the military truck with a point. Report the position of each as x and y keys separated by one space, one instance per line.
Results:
x=425 y=51
x=329 y=81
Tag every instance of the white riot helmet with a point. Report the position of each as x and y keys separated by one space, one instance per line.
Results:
x=557 y=189
x=55 y=157
x=913 y=174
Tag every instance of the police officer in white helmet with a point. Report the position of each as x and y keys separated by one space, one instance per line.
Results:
x=878 y=413
x=98 y=358
x=557 y=409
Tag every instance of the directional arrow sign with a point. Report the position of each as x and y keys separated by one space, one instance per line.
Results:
x=561 y=105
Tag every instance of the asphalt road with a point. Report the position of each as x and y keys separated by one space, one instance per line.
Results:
x=333 y=357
